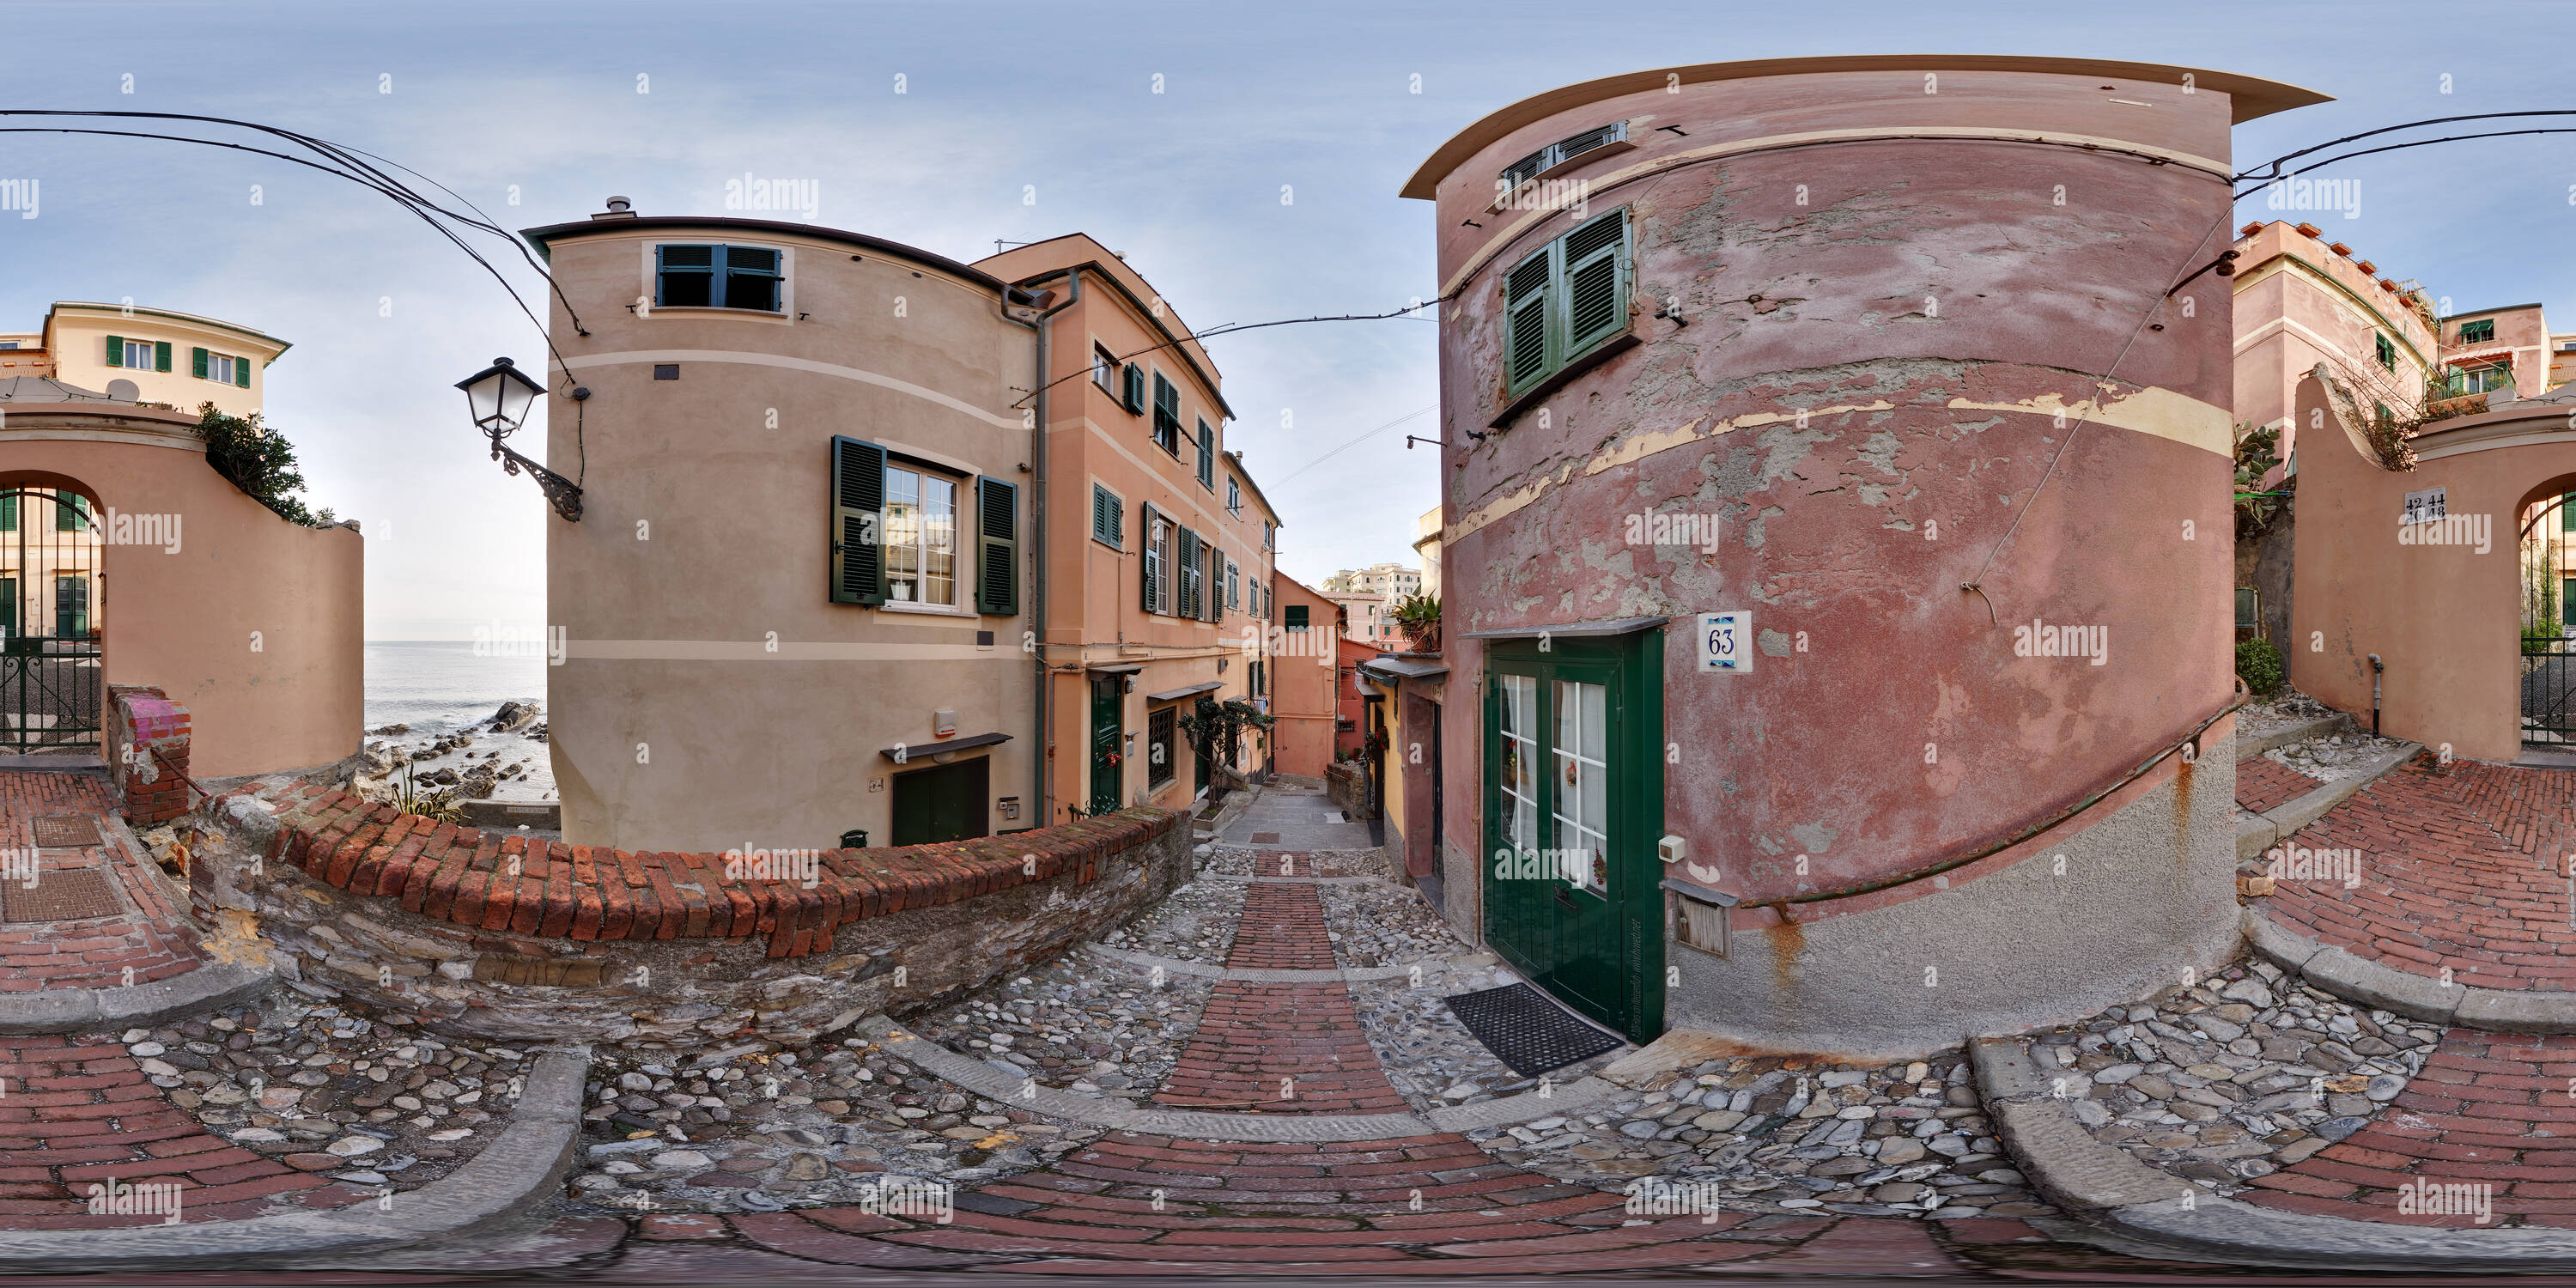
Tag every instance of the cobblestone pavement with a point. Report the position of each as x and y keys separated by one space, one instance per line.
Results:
x=145 y=940
x=2458 y=868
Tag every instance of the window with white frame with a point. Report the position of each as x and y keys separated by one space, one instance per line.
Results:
x=1234 y=498
x=1104 y=369
x=138 y=354
x=920 y=537
x=220 y=368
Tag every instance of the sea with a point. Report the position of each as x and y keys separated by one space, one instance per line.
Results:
x=440 y=686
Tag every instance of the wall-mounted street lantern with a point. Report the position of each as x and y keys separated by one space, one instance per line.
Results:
x=499 y=397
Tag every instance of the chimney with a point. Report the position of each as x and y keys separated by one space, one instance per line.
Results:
x=618 y=208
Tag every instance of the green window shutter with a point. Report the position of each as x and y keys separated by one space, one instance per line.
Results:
x=997 y=575
x=1596 y=274
x=8 y=512
x=160 y=355
x=1152 y=563
x=1525 y=304
x=241 y=372
x=1107 y=516
x=1135 y=395
x=2567 y=513
x=1216 y=566
x=197 y=363
x=116 y=351
x=1186 y=543
x=1293 y=617
x=858 y=522
x=1207 y=456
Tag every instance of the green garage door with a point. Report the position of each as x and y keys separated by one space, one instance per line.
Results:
x=946 y=803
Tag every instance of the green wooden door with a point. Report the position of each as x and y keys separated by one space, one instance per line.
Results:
x=1573 y=808
x=943 y=803
x=1108 y=733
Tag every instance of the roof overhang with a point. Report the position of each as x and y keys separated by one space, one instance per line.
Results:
x=544 y=238
x=2248 y=96
x=1405 y=669
x=1191 y=691
x=906 y=753
x=1571 y=630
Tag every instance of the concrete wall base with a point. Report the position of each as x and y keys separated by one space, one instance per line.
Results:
x=2147 y=891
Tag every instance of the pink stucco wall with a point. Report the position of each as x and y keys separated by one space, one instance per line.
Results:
x=1931 y=302
x=254 y=624
x=2444 y=618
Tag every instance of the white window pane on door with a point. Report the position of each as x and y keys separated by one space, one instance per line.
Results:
x=1520 y=759
x=1581 y=786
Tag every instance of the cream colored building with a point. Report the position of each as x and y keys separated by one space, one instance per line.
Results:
x=795 y=605
x=1368 y=597
x=178 y=359
x=1426 y=546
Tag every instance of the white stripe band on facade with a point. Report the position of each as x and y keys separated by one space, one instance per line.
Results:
x=786 y=651
x=791 y=364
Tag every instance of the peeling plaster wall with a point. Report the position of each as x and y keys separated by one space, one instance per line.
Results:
x=1942 y=311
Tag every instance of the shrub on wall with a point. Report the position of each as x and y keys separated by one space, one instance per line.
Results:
x=2259 y=665
x=258 y=460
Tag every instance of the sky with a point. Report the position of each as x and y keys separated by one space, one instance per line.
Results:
x=1244 y=158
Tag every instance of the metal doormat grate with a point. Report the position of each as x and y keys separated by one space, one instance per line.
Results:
x=1265 y=838
x=72 y=894
x=66 y=831
x=1527 y=1030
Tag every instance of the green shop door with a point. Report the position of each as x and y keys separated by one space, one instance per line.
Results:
x=1573 y=808
x=1108 y=732
x=945 y=803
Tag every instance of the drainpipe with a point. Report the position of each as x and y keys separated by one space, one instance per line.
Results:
x=2376 y=667
x=1038 y=797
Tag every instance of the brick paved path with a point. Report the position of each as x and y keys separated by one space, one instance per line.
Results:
x=1137 y=1203
x=79 y=1112
x=2263 y=784
x=1281 y=1048
x=2489 y=1109
x=2464 y=867
x=150 y=935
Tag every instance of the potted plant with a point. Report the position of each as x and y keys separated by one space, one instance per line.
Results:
x=1418 y=616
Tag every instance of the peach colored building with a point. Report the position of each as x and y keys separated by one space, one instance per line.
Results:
x=1156 y=549
x=2302 y=299
x=1305 y=669
x=126 y=560
x=2503 y=353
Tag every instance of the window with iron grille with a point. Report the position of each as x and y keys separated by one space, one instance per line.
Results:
x=1559 y=152
x=1565 y=300
x=1108 y=518
x=1161 y=760
x=718 y=277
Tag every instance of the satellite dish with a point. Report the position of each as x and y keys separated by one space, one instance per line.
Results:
x=124 y=391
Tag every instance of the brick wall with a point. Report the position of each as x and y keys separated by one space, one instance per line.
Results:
x=504 y=935
x=147 y=749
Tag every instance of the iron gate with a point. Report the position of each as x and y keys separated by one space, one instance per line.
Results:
x=50 y=667
x=2548 y=654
